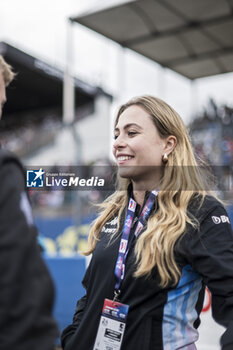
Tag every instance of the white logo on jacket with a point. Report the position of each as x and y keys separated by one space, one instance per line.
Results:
x=111 y=226
x=223 y=218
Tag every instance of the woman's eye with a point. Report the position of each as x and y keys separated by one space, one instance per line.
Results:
x=132 y=133
x=115 y=137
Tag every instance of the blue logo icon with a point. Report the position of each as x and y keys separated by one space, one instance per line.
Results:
x=35 y=178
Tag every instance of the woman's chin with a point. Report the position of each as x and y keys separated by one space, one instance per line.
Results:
x=126 y=171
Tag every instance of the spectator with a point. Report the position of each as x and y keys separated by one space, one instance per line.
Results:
x=26 y=288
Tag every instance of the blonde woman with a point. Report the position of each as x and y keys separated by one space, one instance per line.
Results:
x=159 y=240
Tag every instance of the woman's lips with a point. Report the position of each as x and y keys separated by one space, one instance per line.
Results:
x=123 y=159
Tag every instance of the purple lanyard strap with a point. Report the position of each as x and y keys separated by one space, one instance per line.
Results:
x=123 y=248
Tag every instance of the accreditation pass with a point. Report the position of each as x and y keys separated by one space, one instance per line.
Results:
x=112 y=326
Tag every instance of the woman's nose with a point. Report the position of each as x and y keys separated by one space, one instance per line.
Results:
x=119 y=142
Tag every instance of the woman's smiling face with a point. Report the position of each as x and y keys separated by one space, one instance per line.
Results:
x=138 y=146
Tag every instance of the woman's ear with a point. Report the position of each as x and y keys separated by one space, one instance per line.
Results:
x=170 y=144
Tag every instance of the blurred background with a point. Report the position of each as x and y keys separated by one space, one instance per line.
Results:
x=76 y=62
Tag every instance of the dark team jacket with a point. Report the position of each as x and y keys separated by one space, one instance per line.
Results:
x=26 y=288
x=162 y=319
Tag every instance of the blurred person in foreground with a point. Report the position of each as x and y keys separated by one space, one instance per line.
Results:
x=160 y=239
x=26 y=288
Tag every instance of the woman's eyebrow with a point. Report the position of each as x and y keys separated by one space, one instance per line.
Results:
x=129 y=125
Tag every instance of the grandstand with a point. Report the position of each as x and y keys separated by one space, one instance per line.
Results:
x=32 y=117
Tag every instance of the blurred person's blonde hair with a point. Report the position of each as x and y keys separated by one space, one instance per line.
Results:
x=181 y=182
x=6 y=71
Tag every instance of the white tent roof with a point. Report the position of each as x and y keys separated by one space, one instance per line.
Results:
x=191 y=37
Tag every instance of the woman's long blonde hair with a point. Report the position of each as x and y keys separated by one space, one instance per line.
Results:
x=180 y=182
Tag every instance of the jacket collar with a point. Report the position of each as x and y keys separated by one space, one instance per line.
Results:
x=138 y=207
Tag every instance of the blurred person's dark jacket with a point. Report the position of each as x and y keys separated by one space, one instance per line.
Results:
x=26 y=288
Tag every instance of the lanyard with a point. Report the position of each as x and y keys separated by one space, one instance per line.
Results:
x=123 y=248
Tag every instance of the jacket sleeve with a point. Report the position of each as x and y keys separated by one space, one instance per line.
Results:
x=78 y=314
x=210 y=252
x=26 y=290
x=15 y=237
